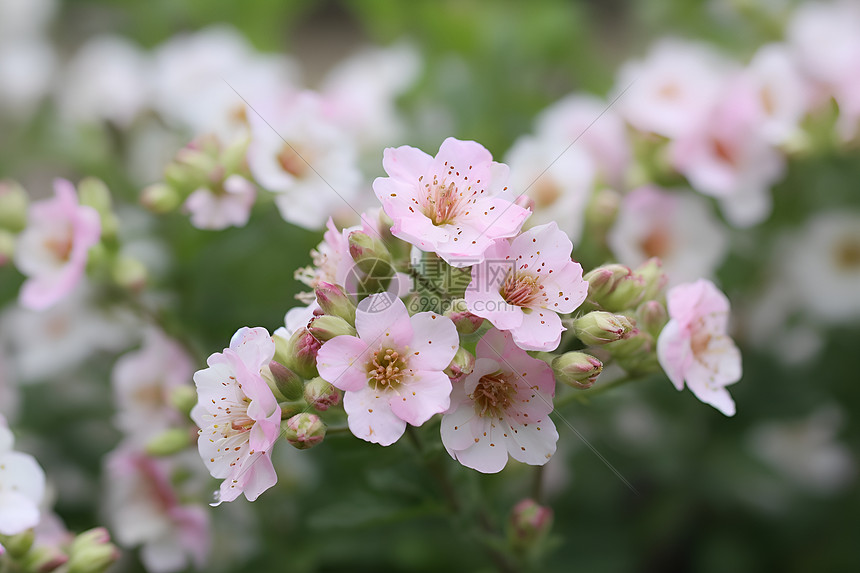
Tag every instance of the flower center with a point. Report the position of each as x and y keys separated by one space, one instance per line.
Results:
x=442 y=202
x=386 y=370
x=546 y=193
x=238 y=421
x=847 y=254
x=292 y=162
x=699 y=342
x=61 y=245
x=493 y=394
x=657 y=244
x=520 y=289
x=724 y=152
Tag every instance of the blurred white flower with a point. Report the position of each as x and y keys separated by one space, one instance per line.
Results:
x=300 y=155
x=361 y=92
x=196 y=75
x=142 y=383
x=53 y=342
x=26 y=71
x=673 y=88
x=25 y=18
x=806 y=451
x=109 y=78
x=824 y=266
x=588 y=123
x=679 y=228
x=559 y=183
x=782 y=94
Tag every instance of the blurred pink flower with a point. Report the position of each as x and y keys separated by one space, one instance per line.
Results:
x=226 y=207
x=502 y=408
x=392 y=372
x=142 y=383
x=455 y=204
x=22 y=486
x=145 y=510
x=524 y=284
x=303 y=157
x=678 y=228
x=694 y=345
x=673 y=88
x=52 y=250
x=238 y=416
x=726 y=156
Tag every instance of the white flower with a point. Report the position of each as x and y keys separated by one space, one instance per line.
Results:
x=672 y=89
x=299 y=154
x=560 y=184
x=22 y=486
x=192 y=73
x=108 y=79
x=678 y=228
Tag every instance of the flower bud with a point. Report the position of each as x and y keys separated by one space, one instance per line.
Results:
x=465 y=321
x=92 y=552
x=183 y=398
x=334 y=301
x=94 y=193
x=298 y=353
x=321 y=395
x=13 y=206
x=43 y=559
x=304 y=431
x=651 y=316
x=529 y=523
x=233 y=157
x=129 y=273
x=369 y=253
x=654 y=278
x=603 y=280
x=461 y=366
x=282 y=380
x=18 y=545
x=602 y=209
x=326 y=327
x=598 y=328
x=168 y=442
x=577 y=369
x=160 y=198
x=525 y=202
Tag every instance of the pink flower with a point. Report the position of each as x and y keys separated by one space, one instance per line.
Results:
x=22 y=486
x=142 y=382
x=673 y=88
x=727 y=157
x=238 y=416
x=222 y=208
x=52 y=250
x=501 y=409
x=455 y=204
x=694 y=346
x=146 y=510
x=392 y=372
x=524 y=285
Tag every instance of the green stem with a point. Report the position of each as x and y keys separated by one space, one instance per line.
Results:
x=537 y=484
x=437 y=470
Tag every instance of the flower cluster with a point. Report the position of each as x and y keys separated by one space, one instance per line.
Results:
x=401 y=358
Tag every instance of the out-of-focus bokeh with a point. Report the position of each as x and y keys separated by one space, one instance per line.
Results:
x=115 y=89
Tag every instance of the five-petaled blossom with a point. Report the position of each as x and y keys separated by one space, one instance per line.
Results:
x=502 y=408
x=238 y=416
x=455 y=204
x=22 y=487
x=524 y=284
x=52 y=250
x=392 y=372
x=694 y=346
